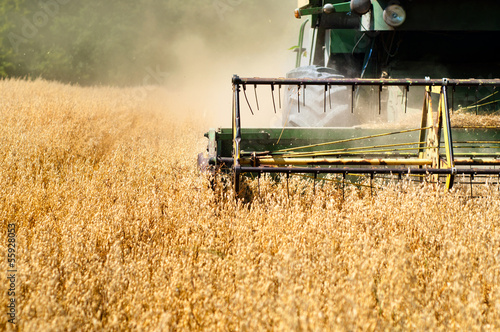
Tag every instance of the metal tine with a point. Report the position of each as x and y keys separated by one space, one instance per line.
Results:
x=279 y=94
x=380 y=100
x=324 y=98
x=246 y=98
x=272 y=93
x=371 y=184
x=330 y=95
x=304 y=95
x=256 y=100
x=353 y=87
x=406 y=97
x=298 y=99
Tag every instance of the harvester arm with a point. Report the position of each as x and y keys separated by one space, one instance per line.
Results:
x=310 y=9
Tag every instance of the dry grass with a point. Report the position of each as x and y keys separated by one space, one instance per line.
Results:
x=469 y=119
x=117 y=231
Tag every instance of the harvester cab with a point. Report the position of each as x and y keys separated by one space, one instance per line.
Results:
x=385 y=88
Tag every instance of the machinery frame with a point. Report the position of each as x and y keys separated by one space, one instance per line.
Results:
x=434 y=154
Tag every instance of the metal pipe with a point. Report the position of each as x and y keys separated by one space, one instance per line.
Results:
x=367 y=81
x=488 y=162
x=351 y=149
x=472 y=154
x=402 y=171
x=236 y=137
x=448 y=139
x=340 y=161
x=475 y=147
x=357 y=152
x=477 y=142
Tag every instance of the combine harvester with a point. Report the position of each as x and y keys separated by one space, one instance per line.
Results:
x=391 y=89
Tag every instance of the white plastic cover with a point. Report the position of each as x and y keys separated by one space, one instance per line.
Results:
x=312 y=109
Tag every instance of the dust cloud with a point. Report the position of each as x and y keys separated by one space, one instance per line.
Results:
x=246 y=38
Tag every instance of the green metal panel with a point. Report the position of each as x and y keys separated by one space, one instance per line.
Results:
x=345 y=41
x=273 y=139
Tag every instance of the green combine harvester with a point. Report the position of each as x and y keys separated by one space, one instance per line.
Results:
x=381 y=89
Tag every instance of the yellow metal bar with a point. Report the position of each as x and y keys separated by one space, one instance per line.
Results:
x=349 y=140
x=475 y=147
x=431 y=137
x=236 y=124
x=476 y=142
x=480 y=105
x=473 y=105
x=476 y=127
x=363 y=148
x=339 y=161
x=320 y=153
x=475 y=154
x=470 y=161
x=448 y=141
x=424 y=124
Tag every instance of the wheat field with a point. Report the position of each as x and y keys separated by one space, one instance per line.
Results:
x=116 y=230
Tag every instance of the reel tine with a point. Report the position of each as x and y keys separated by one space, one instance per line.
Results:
x=352 y=98
x=256 y=100
x=272 y=93
x=304 y=95
x=330 y=95
x=380 y=100
x=246 y=98
x=407 y=89
x=324 y=98
x=279 y=95
x=298 y=98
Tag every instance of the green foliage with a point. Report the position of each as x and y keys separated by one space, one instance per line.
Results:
x=85 y=42
x=122 y=42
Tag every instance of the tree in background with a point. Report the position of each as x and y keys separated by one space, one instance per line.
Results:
x=86 y=42
x=121 y=42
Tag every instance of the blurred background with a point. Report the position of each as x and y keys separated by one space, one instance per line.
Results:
x=191 y=47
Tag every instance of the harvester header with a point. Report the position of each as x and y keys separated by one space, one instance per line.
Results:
x=388 y=89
